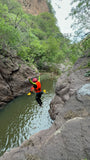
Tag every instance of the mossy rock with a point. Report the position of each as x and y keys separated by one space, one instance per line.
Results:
x=70 y=115
x=31 y=157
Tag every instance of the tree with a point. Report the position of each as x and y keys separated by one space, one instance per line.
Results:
x=80 y=14
x=36 y=39
x=9 y=36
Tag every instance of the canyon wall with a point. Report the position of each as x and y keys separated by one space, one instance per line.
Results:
x=34 y=7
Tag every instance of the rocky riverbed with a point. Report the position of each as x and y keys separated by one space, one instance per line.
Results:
x=69 y=136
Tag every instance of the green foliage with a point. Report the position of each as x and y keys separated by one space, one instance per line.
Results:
x=39 y=33
x=85 y=45
x=47 y=23
x=79 y=13
x=13 y=6
x=8 y=35
x=23 y=52
x=36 y=39
x=73 y=58
x=60 y=56
x=87 y=74
x=50 y=6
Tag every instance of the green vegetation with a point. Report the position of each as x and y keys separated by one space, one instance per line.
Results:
x=87 y=74
x=79 y=13
x=36 y=39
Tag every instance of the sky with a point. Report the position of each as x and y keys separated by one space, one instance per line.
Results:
x=62 y=13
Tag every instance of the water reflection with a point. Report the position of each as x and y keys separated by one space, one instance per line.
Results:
x=23 y=117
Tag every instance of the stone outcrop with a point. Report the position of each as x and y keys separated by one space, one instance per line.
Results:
x=13 y=73
x=67 y=87
x=34 y=7
x=69 y=136
x=69 y=142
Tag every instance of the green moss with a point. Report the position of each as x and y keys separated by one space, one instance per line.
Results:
x=70 y=115
x=31 y=157
x=87 y=74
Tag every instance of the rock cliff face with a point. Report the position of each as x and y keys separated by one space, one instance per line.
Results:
x=67 y=88
x=69 y=136
x=34 y=7
x=13 y=72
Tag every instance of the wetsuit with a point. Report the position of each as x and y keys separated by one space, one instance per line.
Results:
x=37 y=89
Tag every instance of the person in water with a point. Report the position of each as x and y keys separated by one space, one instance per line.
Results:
x=37 y=88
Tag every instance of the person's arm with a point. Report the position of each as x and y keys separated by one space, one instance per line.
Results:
x=33 y=83
x=39 y=79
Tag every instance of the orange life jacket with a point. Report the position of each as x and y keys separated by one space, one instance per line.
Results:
x=32 y=89
x=38 y=89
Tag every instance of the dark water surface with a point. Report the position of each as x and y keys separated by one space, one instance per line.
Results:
x=23 y=117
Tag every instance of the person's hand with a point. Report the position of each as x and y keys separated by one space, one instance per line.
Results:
x=29 y=78
x=40 y=74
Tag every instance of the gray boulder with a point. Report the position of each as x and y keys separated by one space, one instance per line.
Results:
x=13 y=73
